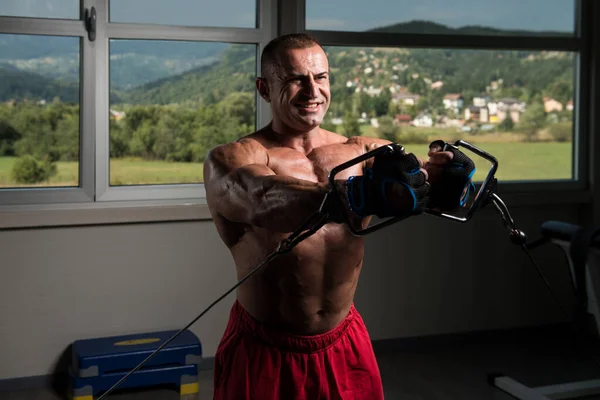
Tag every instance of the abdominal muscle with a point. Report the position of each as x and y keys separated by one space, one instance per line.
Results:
x=308 y=291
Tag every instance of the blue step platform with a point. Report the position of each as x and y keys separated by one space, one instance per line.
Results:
x=99 y=363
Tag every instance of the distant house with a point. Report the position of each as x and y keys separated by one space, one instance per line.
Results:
x=551 y=105
x=454 y=102
x=405 y=98
x=479 y=114
x=510 y=107
x=482 y=100
x=402 y=119
x=423 y=120
x=509 y=102
x=117 y=115
x=437 y=85
x=373 y=91
x=570 y=105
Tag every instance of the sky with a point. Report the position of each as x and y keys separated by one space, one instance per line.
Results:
x=344 y=15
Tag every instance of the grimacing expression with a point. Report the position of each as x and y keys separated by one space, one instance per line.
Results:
x=298 y=88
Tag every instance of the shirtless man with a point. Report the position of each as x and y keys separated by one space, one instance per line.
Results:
x=293 y=331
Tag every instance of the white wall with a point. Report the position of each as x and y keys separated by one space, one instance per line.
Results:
x=421 y=276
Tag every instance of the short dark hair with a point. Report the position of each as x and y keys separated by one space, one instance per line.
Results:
x=271 y=52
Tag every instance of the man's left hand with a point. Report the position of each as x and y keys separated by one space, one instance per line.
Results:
x=450 y=173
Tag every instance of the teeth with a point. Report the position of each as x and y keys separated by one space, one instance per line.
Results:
x=314 y=105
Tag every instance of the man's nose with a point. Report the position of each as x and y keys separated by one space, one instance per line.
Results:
x=311 y=89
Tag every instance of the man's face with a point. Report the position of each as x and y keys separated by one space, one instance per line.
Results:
x=298 y=88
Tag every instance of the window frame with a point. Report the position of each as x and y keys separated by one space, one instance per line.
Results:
x=95 y=202
x=107 y=31
x=581 y=44
x=67 y=28
x=94 y=84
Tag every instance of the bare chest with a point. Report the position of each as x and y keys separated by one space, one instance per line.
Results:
x=317 y=165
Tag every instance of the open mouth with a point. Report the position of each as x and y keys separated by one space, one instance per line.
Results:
x=308 y=106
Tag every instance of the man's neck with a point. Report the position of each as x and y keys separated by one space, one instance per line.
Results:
x=302 y=141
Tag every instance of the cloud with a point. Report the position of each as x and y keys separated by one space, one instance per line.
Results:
x=325 y=23
x=246 y=20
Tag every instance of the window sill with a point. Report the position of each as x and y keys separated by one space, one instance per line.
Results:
x=111 y=213
x=62 y=215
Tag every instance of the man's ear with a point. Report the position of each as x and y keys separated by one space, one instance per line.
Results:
x=263 y=89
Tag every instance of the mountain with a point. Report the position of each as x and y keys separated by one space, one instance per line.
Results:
x=133 y=62
x=16 y=84
x=234 y=71
x=428 y=27
x=162 y=72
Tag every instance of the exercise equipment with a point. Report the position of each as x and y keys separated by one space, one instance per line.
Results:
x=582 y=249
x=97 y=364
x=487 y=194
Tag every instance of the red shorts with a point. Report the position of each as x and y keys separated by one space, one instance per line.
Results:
x=254 y=362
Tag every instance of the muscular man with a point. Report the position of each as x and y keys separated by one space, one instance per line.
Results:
x=293 y=331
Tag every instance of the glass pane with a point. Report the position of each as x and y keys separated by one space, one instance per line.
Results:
x=64 y=9
x=224 y=13
x=516 y=105
x=39 y=111
x=170 y=102
x=473 y=17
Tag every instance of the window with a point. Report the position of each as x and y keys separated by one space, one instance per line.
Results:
x=39 y=111
x=127 y=115
x=227 y=13
x=508 y=77
x=462 y=17
x=171 y=102
x=64 y=9
x=516 y=105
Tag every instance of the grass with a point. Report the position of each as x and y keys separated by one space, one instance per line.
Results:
x=517 y=161
x=67 y=174
x=135 y=172
x=122 y=172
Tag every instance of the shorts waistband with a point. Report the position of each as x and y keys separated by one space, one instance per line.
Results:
x=287 y=341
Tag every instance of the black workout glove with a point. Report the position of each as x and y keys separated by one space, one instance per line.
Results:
x=451 y=189
x=376 y=192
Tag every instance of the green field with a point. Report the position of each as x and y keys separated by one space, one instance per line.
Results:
x=517 y=161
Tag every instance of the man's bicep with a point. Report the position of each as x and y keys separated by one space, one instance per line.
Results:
x=228 y=171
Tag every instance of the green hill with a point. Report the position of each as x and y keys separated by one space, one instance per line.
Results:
x=223 y=70
x=16 y=84
x=235 y=71
x=428 y=27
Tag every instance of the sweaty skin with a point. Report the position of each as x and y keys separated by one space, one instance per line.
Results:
x=264 y=186
x=259 y=192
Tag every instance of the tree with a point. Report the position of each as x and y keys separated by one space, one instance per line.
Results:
x=507 y=124
x=387 y=130
x=532 y=120
x=381 y=103
x=351 y=125
x=240 y=106
x=328 y=126
x=28 y=169
x=8 y=137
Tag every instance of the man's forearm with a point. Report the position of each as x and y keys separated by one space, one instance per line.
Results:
x=274 y=202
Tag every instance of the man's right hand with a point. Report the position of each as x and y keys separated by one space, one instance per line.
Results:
x=396 y=185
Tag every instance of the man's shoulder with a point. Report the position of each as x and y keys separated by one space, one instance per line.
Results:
x=336 y=138
x=247 y=148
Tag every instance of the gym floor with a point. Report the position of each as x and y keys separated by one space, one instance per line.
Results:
x=450 y=368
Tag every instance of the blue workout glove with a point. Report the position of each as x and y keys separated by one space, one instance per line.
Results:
x=454 y=184
x=375 y=192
